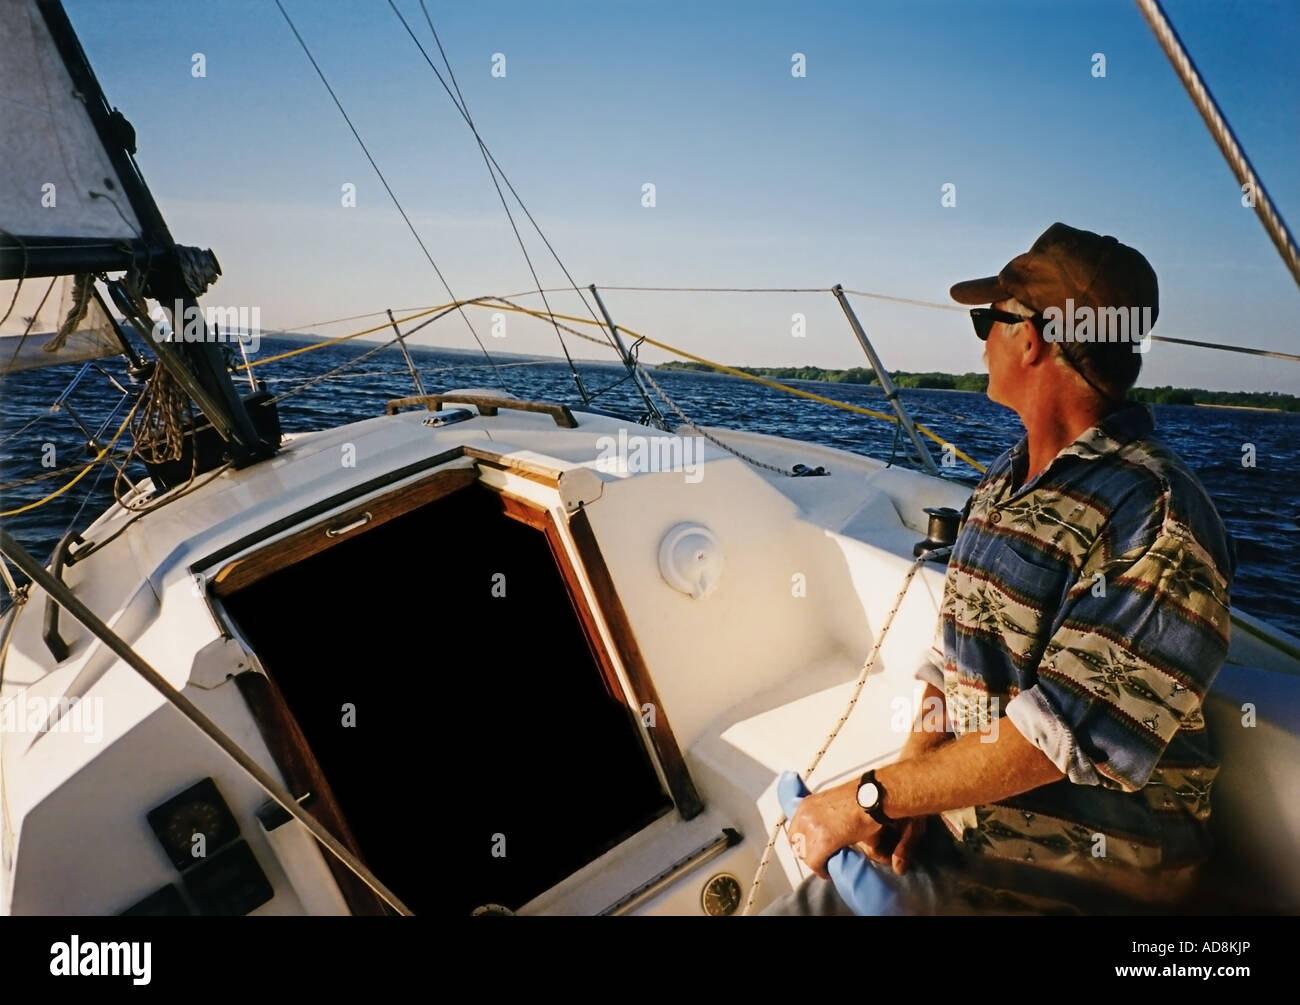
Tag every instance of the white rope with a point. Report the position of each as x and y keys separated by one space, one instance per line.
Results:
x=844 y=717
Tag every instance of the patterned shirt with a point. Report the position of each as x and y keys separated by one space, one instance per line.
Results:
x=1090 y=607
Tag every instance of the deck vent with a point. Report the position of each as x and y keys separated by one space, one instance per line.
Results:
x=690 y=559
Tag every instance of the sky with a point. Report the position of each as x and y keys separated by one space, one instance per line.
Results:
x=761 y=177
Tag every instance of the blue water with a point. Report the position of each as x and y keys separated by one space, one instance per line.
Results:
x=1260 y=504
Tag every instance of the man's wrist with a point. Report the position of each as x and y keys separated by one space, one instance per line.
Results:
x=888 y=776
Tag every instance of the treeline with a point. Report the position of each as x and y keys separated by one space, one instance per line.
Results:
x=1165 y=395
x=854 y=375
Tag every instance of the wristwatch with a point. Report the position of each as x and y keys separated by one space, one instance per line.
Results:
x=871 y=797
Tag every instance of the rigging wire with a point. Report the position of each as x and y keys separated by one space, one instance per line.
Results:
x=459 y=101
x=1214 y=120
x=326 y=343
x=499 y=171
x=137 y=512
x=1197 y=343
x=84 y=471
x=913 y=302
x=373 y=374
x=303 y=328
x=835 y=403
x=536 y=226
x=47 y=475
x=312 y=381
x=388 y=188
x=94 y=485
x=799 y=392
x=446 y=309
x=25 y=426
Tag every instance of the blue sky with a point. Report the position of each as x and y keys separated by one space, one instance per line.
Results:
x=761 y=178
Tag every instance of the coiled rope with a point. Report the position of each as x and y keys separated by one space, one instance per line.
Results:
x=76 y=313
x=159 y=427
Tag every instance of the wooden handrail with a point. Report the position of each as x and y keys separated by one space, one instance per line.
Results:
x=487 y=404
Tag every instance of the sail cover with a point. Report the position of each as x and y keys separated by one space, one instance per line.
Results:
x=51 y=158
x=29 y=336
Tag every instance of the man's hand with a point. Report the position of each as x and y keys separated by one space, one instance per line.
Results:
x=828 y=821
x=971 y=770
x=895 y=846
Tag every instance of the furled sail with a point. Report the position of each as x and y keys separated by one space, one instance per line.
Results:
x=52 y=322
x=52 y=159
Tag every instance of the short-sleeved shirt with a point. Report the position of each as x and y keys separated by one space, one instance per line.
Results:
x=1090 y=607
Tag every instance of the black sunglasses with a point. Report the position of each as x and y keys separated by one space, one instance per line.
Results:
x=984 y=318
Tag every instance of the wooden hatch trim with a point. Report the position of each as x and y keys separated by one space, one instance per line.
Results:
x=683 y=790
x=680 y=786
x=247 y=569
x=303 y=776
x=337 y=528
x=277 y=724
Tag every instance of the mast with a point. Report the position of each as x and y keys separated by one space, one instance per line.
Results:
x=173 y=275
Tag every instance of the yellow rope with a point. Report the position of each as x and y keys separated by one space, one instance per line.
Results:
x=80 y=474
x=775 y=385
x=343 y=338
x=544 y=315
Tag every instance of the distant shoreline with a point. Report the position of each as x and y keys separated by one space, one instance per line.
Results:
x=1250 y=401
x=1254 y=401
x=1238 y=408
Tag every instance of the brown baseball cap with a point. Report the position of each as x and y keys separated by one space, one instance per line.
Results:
x=1066 y=263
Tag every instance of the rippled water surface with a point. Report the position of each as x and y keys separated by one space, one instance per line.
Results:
x=1260 y=504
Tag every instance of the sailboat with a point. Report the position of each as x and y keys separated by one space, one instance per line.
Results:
x=280 y=669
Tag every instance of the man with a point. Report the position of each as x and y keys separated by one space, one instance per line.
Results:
x=1085 y=615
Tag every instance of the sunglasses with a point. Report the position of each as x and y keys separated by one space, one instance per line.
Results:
x=984 y=318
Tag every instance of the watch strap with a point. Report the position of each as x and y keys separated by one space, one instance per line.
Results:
x=876 y=812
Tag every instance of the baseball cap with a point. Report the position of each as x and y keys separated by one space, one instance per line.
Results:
x=1068 y=268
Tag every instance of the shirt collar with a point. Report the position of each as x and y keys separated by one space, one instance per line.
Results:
x=1118 y=429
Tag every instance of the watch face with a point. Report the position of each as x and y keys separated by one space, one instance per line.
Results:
x=868 y=795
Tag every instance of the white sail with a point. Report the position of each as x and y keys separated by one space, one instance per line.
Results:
x=51 y=158
x=29 y=335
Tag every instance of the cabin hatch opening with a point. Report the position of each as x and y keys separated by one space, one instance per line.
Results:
x=487 y=758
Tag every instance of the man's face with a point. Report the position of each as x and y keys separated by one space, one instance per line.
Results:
x=1001 y=356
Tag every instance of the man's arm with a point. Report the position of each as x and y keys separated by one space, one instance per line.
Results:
x=923 y=736
x=968 y=771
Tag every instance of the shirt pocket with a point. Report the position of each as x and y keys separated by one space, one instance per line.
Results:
x=1031 y=592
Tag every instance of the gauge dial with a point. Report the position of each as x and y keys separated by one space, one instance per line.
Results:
x=721 y=895
x=198 y=810
x=189 y=819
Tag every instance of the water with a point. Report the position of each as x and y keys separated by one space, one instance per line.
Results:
x=1260 y=504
